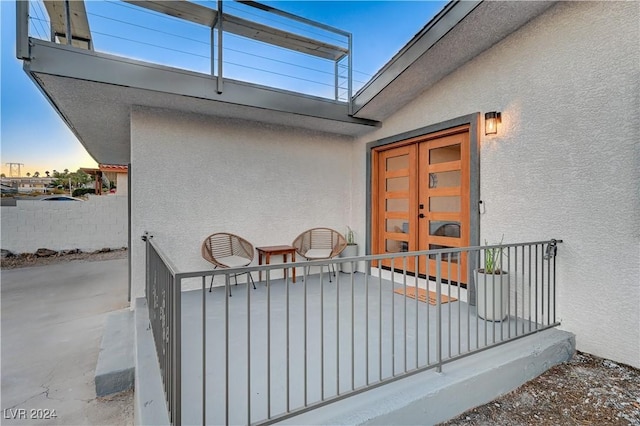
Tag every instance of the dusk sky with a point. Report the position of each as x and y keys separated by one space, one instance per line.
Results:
x=32 y=133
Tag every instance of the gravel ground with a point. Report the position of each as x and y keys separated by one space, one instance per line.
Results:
x=584 y=391
x=31 y=259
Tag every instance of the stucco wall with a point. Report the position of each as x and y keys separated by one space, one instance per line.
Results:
x=565 y=163
x=192 y=176
x=99 y=222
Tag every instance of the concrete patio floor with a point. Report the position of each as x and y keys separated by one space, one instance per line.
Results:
x=52 y=323
x=399 y=333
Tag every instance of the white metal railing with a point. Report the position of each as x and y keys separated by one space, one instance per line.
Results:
x=322 y=341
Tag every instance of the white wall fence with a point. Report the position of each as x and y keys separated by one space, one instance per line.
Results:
x=99 y=222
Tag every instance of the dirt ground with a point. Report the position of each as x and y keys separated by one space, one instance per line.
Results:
x=584 y=391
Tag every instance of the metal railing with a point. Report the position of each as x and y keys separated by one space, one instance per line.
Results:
x=162 y=292
x=247 y=41
x=265 y=355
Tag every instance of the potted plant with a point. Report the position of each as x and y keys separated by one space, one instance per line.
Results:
x=492 y=285
x=350 y=251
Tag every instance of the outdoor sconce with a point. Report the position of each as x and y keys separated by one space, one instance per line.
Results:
x=491 y=120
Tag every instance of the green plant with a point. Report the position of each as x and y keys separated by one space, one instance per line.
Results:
x=493 y=259
x=82 y=191
x=349 y=236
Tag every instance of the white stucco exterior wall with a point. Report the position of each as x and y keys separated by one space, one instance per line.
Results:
x=565 y=163
x=193 y=176
x=100 y=222
x=122 y=184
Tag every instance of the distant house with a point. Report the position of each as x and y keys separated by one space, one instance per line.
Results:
x=109 y=175
x=269 y=163
x=27 y=184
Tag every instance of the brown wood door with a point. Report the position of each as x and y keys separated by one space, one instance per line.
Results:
x=421 y=199
x=396 y=200
x=443 y=206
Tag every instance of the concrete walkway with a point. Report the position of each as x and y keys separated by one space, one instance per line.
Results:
x=52 y=323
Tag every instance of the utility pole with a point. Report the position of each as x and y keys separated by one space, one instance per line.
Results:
x=14 y=169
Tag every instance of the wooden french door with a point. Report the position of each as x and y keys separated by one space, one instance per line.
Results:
x=421 y=200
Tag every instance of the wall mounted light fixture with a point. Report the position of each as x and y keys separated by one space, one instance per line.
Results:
x=491 y=120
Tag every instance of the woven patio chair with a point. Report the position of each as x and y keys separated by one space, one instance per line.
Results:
x=320 y=243
x=226 y=250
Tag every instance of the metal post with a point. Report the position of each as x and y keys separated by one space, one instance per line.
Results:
x=350 y=82
x=287 y=326
x=337 y=286
x=220 y=31
x=336 y=80
x=404 y=282
x=248 y=351
x=67 y=21
x=269 y=343
x=204 y=351
x=306 y=370
x=353 y=339
x=393 y=318
x=438 y=312
x=380 y=319
x=227 y=289
x=417 y=333
x=367 y=271
x=22 y=29
x=321 y=335
x=449 y=296
x=177 y=350
x=129 y=238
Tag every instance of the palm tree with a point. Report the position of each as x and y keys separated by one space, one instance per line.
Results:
x=28 y=174
x=36 y=174
x=47 y=173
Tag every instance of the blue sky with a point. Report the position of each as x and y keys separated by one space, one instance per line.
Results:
x=32 y=133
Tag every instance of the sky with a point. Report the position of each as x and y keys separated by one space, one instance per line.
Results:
x=32 y=133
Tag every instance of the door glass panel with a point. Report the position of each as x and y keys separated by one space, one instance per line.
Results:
x=444 y=179
x=398 y=184
x=446 y=257
x=397 y=163
x=444 y=204
x=444 y=154
x=397 y=205
x=397 y=225
x=444 y=229
x=395 y=246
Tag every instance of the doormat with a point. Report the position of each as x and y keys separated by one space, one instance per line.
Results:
x=422 y=295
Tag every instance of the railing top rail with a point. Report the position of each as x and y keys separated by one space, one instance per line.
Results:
x=167 y=261
x=303 y=263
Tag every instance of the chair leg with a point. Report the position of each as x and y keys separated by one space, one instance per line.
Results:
x=251 y=279
x=211 y=286
x=329 y=271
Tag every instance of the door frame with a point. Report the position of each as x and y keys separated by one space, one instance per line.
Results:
x=473 y=121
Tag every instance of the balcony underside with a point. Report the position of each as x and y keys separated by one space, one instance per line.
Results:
x=94 y=94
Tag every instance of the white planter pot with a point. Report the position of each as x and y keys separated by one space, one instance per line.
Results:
x=350 y=251
x=492 y=293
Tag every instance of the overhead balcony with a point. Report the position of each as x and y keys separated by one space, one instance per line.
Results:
x=96 y=61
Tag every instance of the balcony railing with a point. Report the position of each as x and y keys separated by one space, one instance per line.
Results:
x=247 y=41
x=265 y=355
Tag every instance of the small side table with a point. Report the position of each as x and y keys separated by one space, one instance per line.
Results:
x=268 y=251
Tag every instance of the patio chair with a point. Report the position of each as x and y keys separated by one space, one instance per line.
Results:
x=320 y=243
x=226 y=250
